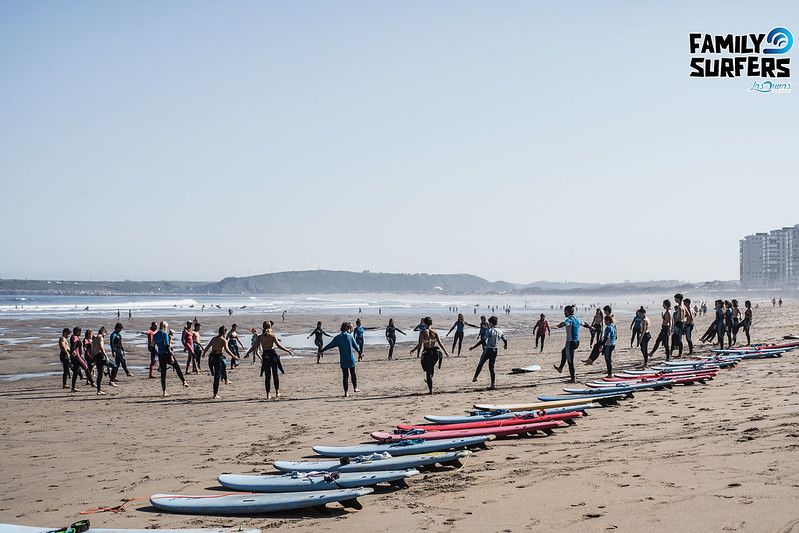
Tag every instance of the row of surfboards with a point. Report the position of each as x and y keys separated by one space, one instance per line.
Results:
x=344 y=473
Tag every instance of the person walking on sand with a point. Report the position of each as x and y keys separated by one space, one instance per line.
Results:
x=76 y=359
x=665 y=330
x=63 y=356
x=609 y=342
x=572 y=325
x=166 y=359
x=391 y=337
x=219 y=347
x=319 y=335
x=493 y=336
x=429 y=343
x=347 y=348
x=271 y=367
x=118 y=351
x=746 y=323
x=459 y=326
x=187 y=340
x=88 y=356
x=541 y=330
x=100 y=357
x=646 y=336
x=233 y=343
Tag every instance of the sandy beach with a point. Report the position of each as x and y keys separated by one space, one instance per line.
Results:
x=715 y=457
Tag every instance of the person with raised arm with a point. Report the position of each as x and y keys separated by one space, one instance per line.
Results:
x=429 y=343
x=271 y=367
x=219 y=348
x=391 y=337
x=318 y=335
x=347 y=348
x=459 y=326
x=541 y=330
x=166 y=358
x=493 y=336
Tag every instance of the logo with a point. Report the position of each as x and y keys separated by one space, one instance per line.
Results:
x=768 y=86
x=752 y=55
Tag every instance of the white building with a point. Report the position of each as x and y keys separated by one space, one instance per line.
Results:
x=770 y=260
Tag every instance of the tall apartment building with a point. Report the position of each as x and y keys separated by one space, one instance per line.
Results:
x=770 y=260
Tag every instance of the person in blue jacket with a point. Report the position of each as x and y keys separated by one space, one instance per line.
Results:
x=347 y=348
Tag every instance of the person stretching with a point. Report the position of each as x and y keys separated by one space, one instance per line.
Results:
x=347 y=348
x=318 y=335
x=493 y=336
x=271 y=367
x=163 y=350
x=572 y=325
x=541 y=330
x=219 y=349
x=429 y=342
x=391 y=337
x=458 y=326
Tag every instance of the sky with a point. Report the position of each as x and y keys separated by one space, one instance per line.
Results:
x=518 y=141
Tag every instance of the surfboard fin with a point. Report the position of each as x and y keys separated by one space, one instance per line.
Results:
x=455 y=462
x=400 y=484
x=569 y=421
x=352 y=503
x=548 y=431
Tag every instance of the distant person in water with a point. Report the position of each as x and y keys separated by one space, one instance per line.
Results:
x=459 y=326
x=130 y=314
x=391 y=337
x=220 y=348
x=347 y=348
x=493 y=336
x=541 y=330
x=572 y=325
x=429 y=343
x=166 y=358
x=63 y=356
x=319 y=334
x=118 y=351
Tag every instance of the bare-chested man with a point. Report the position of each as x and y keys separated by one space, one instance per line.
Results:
x=646 y=336
x=665 y=330
x=270 y=361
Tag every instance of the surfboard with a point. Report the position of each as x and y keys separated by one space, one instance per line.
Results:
x=503 y=415
x=520 y=418
x=559 y=401
x=518 y=429
x=370 y=465
x=251 y=503
x=303 y=482
x=526 y=369
x=622 y=387
x=407 y=447
x=13 y=528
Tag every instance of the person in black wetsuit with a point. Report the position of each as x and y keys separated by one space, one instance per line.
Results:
x=665 y=330
x=459 y=326
x=391 y=337
x=319 y=334
x=482 y=334
x=76 y=357
x=63 y=355
x=233 y=343
x=271 y=366
x=430 y=342
x=118 y=351
x=219 y=349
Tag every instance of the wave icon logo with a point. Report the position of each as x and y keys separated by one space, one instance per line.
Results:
x=782 y=38
x=768 y=86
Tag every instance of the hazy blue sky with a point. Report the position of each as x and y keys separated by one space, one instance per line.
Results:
x=513 y=140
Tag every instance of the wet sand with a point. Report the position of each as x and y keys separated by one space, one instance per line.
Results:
x=721 y=456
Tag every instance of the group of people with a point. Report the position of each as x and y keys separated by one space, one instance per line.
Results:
x=84 y=356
